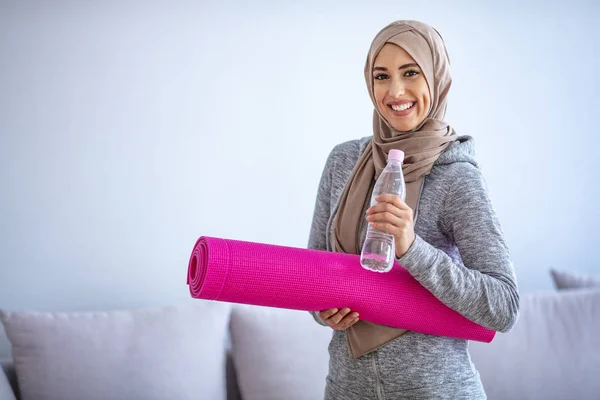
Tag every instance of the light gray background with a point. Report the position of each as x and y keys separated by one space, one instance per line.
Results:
x=129 y=129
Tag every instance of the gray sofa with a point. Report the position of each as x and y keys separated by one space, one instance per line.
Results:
x=553 y=352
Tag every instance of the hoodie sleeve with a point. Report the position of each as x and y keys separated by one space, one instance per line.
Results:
x=482 y=287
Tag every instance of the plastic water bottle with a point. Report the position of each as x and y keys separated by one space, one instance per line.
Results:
x=378 y=251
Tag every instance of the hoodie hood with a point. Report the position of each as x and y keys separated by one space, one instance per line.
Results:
x=462 y=150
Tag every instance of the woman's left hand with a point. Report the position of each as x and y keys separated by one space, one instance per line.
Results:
x=393 y=216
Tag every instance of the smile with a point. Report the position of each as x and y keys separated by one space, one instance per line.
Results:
x=402 y=109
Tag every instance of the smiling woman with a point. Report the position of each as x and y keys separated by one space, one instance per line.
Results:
x=447 y=234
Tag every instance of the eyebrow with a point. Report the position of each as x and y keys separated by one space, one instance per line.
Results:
x=412 y=65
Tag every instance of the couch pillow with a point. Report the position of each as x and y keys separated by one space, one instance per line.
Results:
x=551 y=353
x=279 y=354
x=571 y=280
x=155 y=353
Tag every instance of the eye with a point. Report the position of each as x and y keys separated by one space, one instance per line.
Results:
x=380 y=77
x=411 y=72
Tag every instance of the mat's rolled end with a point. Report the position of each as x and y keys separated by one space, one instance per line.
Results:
x=207 y=268
x=197 y=266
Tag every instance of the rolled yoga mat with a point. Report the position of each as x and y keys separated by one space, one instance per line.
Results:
x=312 y=280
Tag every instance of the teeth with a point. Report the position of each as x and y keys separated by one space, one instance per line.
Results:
x=402 y=107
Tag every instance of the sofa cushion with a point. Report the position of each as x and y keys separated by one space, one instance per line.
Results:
x=154 y=353
x=572 y=280
x=279 y=354
x=552 y=352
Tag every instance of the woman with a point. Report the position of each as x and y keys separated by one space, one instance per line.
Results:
x=446 y=234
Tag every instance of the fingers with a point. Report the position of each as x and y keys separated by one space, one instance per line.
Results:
x=397 y=208
x=346 y=322
x=402 y=229
x=391 y=223
x=385 y=207
x=339 y=319
x=324 y=315
x=394 y=200
x=385 y=217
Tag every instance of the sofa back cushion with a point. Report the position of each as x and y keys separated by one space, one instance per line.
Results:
x=159 y=353
x=279 y=354
x=552 y=352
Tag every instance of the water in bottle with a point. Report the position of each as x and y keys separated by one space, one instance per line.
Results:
x=378 y=251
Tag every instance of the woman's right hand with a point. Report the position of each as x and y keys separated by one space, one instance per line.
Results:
x=340 y=320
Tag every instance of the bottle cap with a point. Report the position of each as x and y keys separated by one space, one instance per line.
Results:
x=397 y=155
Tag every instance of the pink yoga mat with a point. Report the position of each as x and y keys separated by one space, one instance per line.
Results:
x=311 y=280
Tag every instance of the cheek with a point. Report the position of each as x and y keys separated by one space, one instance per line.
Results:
x=426 y=102
x=425 y=97
x=379 y=91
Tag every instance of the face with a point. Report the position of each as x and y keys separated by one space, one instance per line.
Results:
x=401 y=91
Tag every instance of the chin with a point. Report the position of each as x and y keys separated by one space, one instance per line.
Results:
x=404 y=127
x=401 y=124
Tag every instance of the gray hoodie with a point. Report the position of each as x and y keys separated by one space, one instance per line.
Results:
x=459 y=255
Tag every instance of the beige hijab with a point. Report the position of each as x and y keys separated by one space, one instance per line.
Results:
x=422 y=146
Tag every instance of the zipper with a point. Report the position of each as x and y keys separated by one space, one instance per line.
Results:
x=329 y=228
x=416 y=213
x=378 y=388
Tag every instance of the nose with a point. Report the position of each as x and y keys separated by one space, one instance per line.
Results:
x=397 y=88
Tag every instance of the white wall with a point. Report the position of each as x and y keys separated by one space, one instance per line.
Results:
x=128 y=130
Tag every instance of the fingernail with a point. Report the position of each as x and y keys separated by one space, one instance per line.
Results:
x=355 y=315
